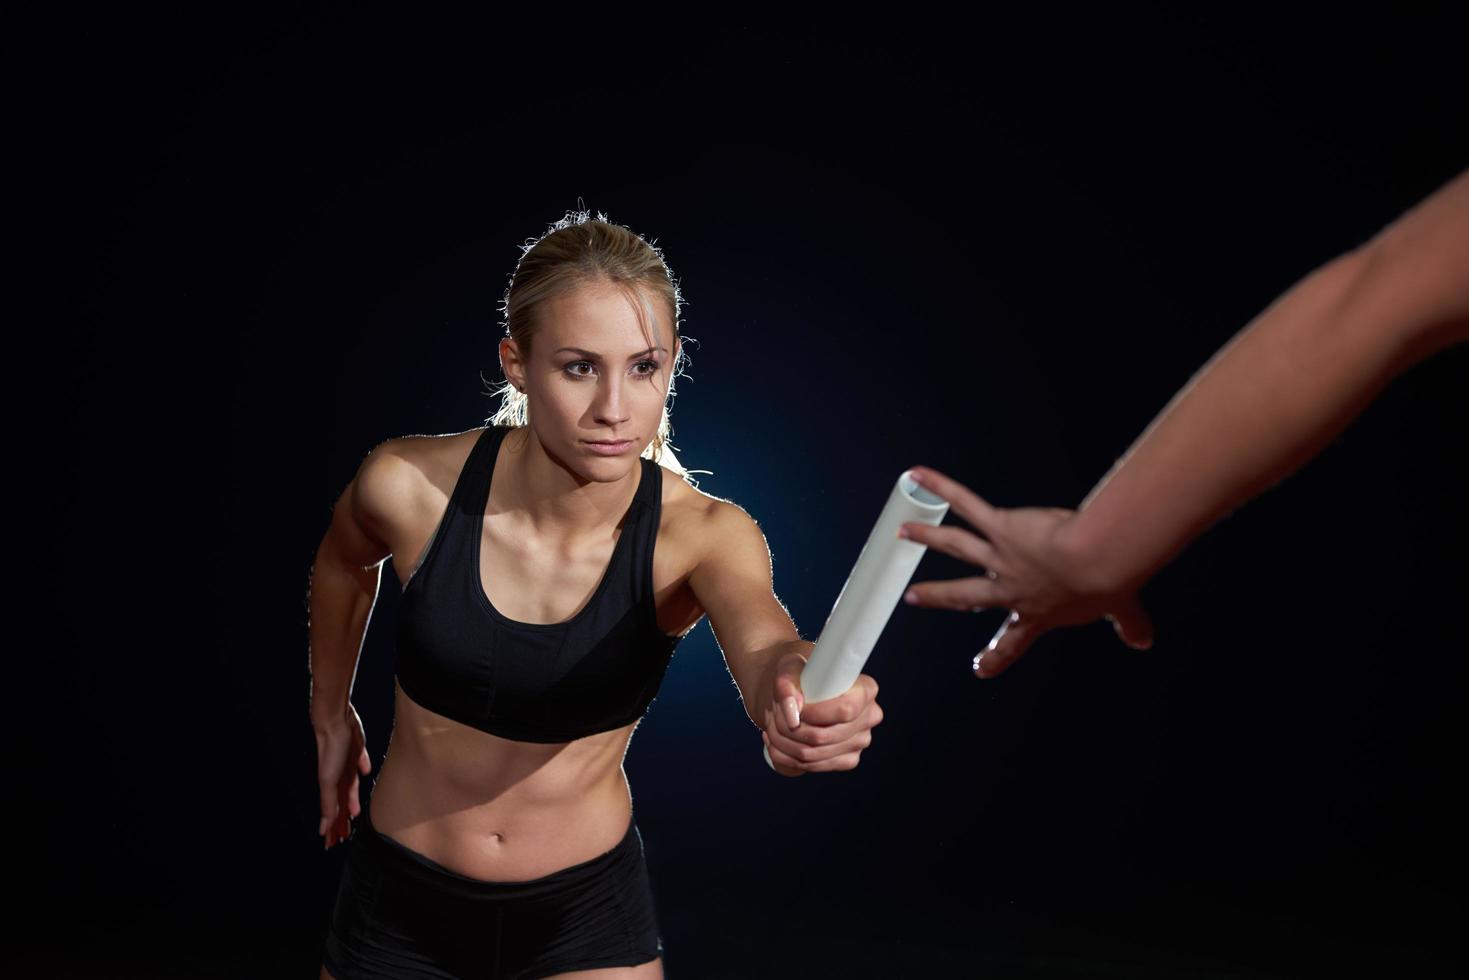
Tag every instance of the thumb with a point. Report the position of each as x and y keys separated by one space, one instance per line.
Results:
x=788 y=687
x=328 y=811
x=1133 y=625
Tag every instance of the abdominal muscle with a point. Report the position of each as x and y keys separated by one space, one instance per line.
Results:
x=495 y=809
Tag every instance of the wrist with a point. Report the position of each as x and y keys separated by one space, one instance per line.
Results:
x=1085 y=558
x=330 y=717
x=763 y=698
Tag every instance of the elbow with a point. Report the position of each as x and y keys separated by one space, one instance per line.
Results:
x=334 y=561
x=1407 y=288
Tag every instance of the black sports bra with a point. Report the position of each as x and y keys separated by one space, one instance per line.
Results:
x=460 y=657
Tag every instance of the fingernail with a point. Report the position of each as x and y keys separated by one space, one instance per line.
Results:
x=911 y=596
x=793 y=713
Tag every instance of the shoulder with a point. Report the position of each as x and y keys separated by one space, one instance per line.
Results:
x=716 y=526
x=404 y=474
x=723 y=516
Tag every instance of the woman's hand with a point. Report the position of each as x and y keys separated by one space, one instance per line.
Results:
x=1032 y=568
x=341 y=757
x=822 y=737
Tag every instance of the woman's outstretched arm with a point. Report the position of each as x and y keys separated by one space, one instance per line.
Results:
x=1270 y=399
x=733 y=581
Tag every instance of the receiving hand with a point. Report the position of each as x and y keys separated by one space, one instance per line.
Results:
x=1031 y=569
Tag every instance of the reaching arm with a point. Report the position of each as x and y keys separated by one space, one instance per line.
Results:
x=733 y=582
x=1280 y=390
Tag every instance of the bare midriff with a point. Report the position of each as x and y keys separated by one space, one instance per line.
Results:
x=495 y=809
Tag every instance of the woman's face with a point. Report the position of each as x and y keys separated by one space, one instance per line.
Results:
x=593 y=375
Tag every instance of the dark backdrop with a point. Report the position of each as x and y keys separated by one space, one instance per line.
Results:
x=265 y=243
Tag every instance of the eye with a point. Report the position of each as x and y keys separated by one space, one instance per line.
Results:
x=652 y=368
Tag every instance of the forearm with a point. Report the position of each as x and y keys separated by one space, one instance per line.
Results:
x=755 y=676
x=1279 y=391
x=340 y=601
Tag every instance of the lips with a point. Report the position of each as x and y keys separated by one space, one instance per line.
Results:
x=609 y=448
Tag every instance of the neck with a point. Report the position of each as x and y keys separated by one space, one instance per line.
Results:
x=557 y=501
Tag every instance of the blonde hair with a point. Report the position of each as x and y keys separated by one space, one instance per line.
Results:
x=579 y=250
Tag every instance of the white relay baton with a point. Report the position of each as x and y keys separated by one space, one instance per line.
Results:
x=872 y=592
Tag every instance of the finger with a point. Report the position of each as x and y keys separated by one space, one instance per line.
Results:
x=840 y=763
x=789 y=700
x=809 y=743
x=364 y=762
x=838 y=715
x=835 y=747
x=342 y=805
x=777 y=719
x=328 y=810
x=343 y=827
x=1009 y=644
x=1133 y=625
x=842 y=757
x=871 y=711
x=839 y=737
x=964 y=594
x=965 y=502
x=952 y=540
x=783 y=763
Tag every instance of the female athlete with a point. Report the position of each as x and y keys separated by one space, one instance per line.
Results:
x=550 y=562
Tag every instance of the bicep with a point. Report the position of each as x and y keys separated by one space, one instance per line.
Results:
x=733 y=582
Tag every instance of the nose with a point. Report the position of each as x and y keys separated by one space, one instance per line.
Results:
x=608 y=407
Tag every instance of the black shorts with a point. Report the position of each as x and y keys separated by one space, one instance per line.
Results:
x=399 y=914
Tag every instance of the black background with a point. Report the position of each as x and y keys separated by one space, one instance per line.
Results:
x=259 y=244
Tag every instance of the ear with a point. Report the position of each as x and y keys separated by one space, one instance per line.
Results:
x=511 y=364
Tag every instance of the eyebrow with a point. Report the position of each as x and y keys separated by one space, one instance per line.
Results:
x=593 y=355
